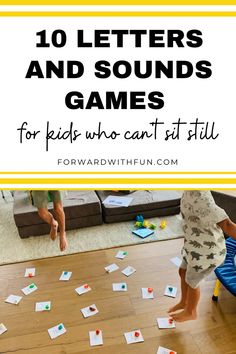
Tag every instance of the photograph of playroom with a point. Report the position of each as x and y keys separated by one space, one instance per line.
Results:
x=109 y=271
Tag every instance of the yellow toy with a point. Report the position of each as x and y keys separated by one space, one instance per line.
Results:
x=145 y=223
x=163 y=224
x=141 y=223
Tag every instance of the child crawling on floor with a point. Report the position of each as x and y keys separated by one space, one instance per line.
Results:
x=204 y=248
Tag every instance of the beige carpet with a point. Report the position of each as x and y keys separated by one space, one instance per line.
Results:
x=14 y=249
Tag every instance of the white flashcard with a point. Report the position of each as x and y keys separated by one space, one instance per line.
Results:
x=162 y=350
x=118 y=201
x=170 y=291
x=95 y=337
x=13 y=299
x=89 y=311
x=83 y=289
x=165 y=322
x=56 y=331
x=147 y=293
x=2 y=328
x=111 y=268
x=121 y=254
x=29 y=289
x=128 y=271
x=65 y=276
x=119 y=287
x=43 y=306
x=29 y=272
x=176 y=261
x=134 y=337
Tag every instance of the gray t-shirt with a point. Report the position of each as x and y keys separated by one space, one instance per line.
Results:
x=204 y=245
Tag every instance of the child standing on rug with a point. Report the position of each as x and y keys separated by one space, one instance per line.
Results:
x=40 y=201
x=204 y=248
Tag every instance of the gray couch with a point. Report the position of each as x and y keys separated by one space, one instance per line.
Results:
x=227 y=201
x=86 y=208
x=148 y=203
x=82 y=208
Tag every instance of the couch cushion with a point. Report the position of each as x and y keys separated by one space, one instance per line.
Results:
x=227 y=201
x=71 y=224
x=148 y=203
x=76 y=204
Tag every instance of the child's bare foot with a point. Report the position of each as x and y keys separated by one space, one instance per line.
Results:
x=53 y=231
x=184 y=316
x=63 y=242
x=179 y=306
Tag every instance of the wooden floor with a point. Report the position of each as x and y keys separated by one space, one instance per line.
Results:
x=213 y=332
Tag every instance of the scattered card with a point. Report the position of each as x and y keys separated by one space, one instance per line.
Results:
x=176 y=261
x=13 y=299
x=162 y=350
x=119 y=287
x=2 y=328
x=95 y=337
x=143 y=233
x=65 y=276
x=111 y=268
x=134 y=337
x=83 y=289
x=147 y=293
x=29 y=272
x=170 y=291
x=118 y=201
x=128 y=271
x=89 y=311
x=29 y=289
x=56 y=331
x=43 y=306
x=121 y=254
x=165 y=322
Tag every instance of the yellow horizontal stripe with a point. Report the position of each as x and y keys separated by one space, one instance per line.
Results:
x=117 y=173
x=117 y=14
x=115 y=181
x=117 y=2
x=120 y=188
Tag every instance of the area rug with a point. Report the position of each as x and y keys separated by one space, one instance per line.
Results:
x=14 y=249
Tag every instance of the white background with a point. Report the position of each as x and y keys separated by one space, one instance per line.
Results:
x=40 y=100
